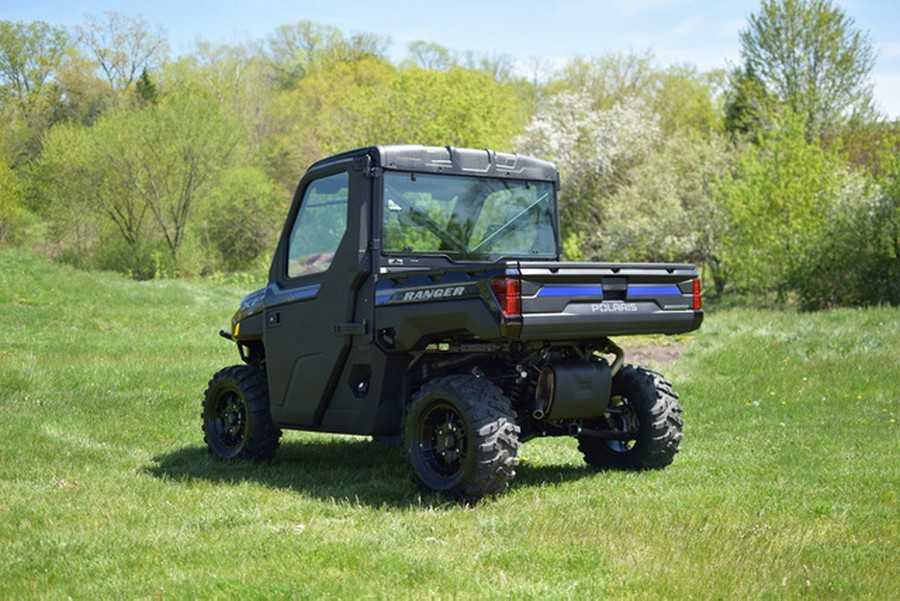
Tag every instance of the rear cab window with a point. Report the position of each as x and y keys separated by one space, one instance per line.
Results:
x=468 y=218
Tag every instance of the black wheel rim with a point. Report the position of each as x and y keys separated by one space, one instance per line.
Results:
x=230 y=420
x=442 y=441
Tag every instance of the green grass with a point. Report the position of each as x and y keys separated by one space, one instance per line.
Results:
x=786 y=486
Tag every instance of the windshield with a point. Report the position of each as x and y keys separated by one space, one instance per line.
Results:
x=468 y=217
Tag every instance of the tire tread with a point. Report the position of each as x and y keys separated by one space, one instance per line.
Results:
x=659 y=436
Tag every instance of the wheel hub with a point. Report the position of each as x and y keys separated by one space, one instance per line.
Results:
x=232 y=419
x=444 y=440
x=447 y=442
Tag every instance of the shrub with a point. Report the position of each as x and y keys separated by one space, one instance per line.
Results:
x=240 y=221
x=852 y=261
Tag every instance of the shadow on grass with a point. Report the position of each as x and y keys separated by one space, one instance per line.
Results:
x=352 y=470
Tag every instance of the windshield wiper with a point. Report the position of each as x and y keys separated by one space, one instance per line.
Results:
x=447 y=238
x=422 y=218
x=509 y=223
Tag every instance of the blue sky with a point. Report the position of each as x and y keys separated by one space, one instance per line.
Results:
x=702 y=34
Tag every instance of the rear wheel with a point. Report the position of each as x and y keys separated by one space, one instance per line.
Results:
x=461 y=438
x=645 y=409
x=236 y=419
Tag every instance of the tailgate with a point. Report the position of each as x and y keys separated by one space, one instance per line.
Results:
x=570 y=301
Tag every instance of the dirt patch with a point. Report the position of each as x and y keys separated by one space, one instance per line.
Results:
x=654 y=355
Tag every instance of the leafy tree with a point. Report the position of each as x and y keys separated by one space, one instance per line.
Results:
x=887 y=176
x=430 y=56
x=461 y=107
x=83 y=98
x=368 y=101
x=145 y=90
x=239 y=78
x=499 y=66
x=887 y=219
x=809 y=57
x=781 y=195
x=124 y=48
x=849 y=262
x=74 y=194
x=609 y=79
x=12 y=213
x=434 y=57
x=329 y=110
x=856 y=257
x=295 y=50
x=668 y=211
x=31 y=57
x=595 y=152
x=115 y=146
x=630 y=193
x=749 y=107
x=141 y=171
x=685 y=101
x=242 y=218
x=167 y=155
x=682 y=98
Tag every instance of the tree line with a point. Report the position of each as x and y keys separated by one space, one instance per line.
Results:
x=777 y=177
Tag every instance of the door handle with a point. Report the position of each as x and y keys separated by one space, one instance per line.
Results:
x=350 y=329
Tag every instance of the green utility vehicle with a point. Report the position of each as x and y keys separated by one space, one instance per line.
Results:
x=417 y=293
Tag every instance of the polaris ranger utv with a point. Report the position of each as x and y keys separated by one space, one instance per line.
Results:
x=418 y=292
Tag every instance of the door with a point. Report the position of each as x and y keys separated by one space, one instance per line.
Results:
x=311 y=302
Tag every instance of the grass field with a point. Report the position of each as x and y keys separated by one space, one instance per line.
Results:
x=787 y=483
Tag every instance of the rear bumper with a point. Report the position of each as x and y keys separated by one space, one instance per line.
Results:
x=598 y=320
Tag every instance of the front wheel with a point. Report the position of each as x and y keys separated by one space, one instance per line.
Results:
x=237 y=423
x=645 y=411
x=461 y=438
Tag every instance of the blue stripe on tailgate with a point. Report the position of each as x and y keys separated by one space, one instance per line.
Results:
x=652 y=290
x=572 y=290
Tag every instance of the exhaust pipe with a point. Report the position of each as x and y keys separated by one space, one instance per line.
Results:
x=542 y=396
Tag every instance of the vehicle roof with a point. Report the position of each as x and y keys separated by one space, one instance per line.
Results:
x=452 y=160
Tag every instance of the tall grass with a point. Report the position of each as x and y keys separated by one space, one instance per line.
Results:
x=786 y=485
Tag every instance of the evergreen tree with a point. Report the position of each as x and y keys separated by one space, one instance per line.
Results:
x=145 y=90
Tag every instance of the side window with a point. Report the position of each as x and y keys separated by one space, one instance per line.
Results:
x=319 y=226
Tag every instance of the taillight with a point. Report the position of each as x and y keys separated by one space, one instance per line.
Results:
x=697 y=295
x=508 y=291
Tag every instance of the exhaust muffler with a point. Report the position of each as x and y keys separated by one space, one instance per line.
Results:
x=572 y=390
